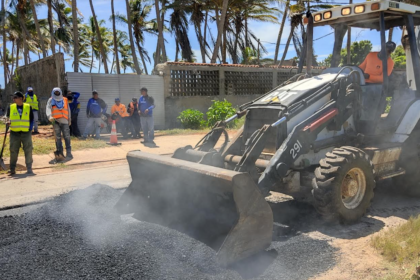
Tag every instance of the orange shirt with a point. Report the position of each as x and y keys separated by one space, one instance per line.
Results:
x=120 y=109
x=373 y=66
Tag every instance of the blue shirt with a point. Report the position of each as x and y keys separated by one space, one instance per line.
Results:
x=147 y=103
x=95 y=108
x=74 y=104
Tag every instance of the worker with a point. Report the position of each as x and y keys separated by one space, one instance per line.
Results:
x=133 y=110
x=20 y=118
x=74 y=109
x=118 y=110
x=372 y=65
x=59 y=113
x=94 y=110
x=32 y=99
x=147 y=104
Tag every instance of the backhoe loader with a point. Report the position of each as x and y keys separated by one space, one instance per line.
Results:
x=323 y=139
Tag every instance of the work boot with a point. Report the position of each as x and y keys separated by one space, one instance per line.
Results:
x=29 y=169
x=35 y=132
x=11 y=172
x=69 y=156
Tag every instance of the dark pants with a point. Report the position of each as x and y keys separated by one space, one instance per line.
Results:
x=60 y=128
x=16 y=140
x=135 y=119
x=74 y=129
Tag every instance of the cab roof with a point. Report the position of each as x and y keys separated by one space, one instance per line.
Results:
x=366 y=14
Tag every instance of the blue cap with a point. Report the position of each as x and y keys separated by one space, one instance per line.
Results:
x=117 y=99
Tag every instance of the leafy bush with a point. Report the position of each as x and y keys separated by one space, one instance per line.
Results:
x=220 y=110
x=192 y=119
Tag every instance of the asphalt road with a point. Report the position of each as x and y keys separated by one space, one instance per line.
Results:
x=23 y=190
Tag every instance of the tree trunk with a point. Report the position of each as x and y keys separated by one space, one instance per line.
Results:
x=205 y=34
x=176 y=50
x=130 y=33
x=98 y=33
x=163 y=46
x=224 y=45
x=91 y=63
x=235 y=59
x=339 y=32
x=283 y=21
x=309 y=44
x=4 y=42
x=287 y=45
x=142 y=56
x=220 y=29
x=38 y=29
x=390 y=32
x=160 y=42
x=75 y=35
x=114 y=30
x=51 y=26
x=17 y=55
x=246 y=33
x=113 y=63
x=200 y=41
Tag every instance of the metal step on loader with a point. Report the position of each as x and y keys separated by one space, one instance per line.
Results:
x=323 y=139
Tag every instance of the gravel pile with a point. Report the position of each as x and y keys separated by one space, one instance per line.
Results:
x=79 y=235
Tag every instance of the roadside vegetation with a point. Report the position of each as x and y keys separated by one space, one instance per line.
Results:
x=400 y=246
x=219 y=110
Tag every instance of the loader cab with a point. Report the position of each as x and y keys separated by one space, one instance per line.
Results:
x=381 y=16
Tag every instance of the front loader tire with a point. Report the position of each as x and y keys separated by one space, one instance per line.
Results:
x=343 y=185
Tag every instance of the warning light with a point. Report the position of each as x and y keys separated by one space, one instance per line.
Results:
x=327 y=15
x=345 y=11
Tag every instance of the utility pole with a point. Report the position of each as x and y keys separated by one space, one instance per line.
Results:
x=349 y=41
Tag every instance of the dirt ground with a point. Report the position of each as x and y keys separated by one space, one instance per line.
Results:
x=355 y=257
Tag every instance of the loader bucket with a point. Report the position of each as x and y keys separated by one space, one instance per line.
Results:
x=219 y=207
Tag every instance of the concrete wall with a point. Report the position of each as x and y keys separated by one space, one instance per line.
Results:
x=186 y=85
x=43 y=75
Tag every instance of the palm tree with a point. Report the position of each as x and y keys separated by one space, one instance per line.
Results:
x=75 y=35
x=160 y=49
x=179 y=24
x=220 y=30
x=130 y=34
x=196 y=9
x=101 y=46
x=3 y=8
x=51 y=25
x=38 y=28
x=114 y=32
x=283 y=21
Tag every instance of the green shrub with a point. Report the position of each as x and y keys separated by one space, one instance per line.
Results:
x=220 y=110
x=192 y=119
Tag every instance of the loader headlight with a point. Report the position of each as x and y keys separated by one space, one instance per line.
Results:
x=359 y=9
x=375 y=6
x=346 y=11
x=327 y=15
x=317 y=17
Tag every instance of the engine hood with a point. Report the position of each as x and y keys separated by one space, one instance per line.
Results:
x=296 y=91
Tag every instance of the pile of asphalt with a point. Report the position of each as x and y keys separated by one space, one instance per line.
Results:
x=79 y=235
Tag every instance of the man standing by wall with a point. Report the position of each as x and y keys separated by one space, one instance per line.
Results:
x=20 y=118
x=94 y=110
x=74 y=109
x=147 y=104
x=133 y=109
x=58 y=112
x=32 y=100
x=119 y=113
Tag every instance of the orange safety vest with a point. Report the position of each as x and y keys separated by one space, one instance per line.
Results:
x=61 y=113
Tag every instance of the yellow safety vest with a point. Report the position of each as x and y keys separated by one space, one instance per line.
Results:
x=18 y=123
x=33 y=102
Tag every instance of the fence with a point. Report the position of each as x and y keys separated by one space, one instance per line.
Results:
x=195 y=85
x=110 y=87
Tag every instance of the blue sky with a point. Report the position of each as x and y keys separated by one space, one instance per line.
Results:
x=267 y=32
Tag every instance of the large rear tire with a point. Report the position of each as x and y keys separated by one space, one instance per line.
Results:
x=343 y=185
x=409 y=183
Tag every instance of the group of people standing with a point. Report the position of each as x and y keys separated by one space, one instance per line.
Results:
x=22 y=117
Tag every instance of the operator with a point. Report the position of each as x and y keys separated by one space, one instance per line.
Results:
x=372 y=65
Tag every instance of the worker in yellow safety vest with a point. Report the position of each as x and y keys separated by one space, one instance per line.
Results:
x=20 y=119
x=32 y=99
